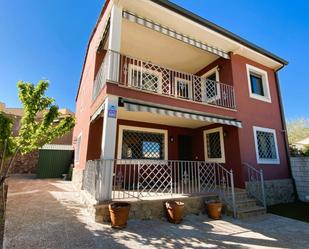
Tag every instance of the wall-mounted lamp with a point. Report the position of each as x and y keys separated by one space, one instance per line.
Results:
x=171 y=139
x=225 y=133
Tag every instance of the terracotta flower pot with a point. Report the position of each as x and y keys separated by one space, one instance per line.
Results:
x=214 y=210
x=175 y=210
x=119 y=213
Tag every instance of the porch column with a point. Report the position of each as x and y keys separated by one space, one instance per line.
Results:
x=114 y=43
x=105 y=169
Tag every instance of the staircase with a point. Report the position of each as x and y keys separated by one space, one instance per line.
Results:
x=251 y=201
x=245 y=206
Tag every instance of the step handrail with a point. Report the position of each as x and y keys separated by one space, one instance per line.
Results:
x=256 y=183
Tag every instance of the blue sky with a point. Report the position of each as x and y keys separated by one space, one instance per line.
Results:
x=48 y=39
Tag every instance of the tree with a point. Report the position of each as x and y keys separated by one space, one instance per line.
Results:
x=297 y=129
x=34 y=132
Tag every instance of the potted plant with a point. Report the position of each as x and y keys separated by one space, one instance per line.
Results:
x=175 y=210
x=214 y=209
x=119 y=213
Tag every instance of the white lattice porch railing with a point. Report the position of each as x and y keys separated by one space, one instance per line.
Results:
x=149 y=77
x=152 y=178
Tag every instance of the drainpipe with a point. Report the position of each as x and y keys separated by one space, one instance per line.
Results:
x=286 y=141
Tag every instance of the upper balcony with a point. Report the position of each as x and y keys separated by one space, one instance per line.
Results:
x=145 y=76
x=162 y=59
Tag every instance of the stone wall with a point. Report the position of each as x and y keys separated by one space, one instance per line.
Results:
x=276 y=191
x=25 y=164
x=300 y=172
x=279 y=191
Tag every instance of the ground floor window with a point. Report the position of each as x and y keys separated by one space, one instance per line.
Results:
x=214 y=145
x=266 y=145
x=142 y=143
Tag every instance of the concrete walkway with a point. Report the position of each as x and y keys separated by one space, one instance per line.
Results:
x=47 y=214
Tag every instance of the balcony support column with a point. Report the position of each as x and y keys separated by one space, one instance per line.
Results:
x=104 y=188
x=114 y=43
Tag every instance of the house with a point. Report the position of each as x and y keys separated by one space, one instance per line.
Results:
x=28 y=163
x=170 y=103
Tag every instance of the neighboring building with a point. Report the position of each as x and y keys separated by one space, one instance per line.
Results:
x=28 y=163
x=162 y=84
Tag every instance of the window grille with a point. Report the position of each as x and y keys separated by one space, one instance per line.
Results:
x=144 y=78
x=213 y=145
x=142 y=145
x=266 y=145
x=211 y=89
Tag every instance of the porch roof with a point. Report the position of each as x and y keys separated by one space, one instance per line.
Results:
x=144 y=107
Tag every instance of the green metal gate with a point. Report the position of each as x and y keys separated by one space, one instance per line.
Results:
x=54 y=160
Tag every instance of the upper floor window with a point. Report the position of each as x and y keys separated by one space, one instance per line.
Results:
x=142 y=143
x=211 y=86
x=144 y=78
x=214 y=145
x=266 y=145
x=258 y=83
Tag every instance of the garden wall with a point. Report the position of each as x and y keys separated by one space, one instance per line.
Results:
x=300 y=172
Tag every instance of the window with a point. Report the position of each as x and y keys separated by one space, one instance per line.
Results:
x=214 y=145
x=211 y=87
x=145 y=79
x=183 y=88
x=258 y=83
x=266 y=145
x=77 y=148
x=142 y=143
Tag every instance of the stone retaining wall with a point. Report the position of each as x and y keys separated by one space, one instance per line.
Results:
x=300 y=172
x=150 y=209
x=279 y=191
x=276 y=191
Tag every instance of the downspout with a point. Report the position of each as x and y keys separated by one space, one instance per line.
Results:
x=286 y=141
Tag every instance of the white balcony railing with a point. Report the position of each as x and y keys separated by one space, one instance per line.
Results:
x=149 y=77
x=123 y=179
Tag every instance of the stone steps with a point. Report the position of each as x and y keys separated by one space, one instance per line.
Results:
x=250 y=212
x=245 y=206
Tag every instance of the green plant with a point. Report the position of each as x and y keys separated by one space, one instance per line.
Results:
x=34 y=132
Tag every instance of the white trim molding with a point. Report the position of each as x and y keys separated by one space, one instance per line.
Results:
x=263 y=160
x=222 y=158
x=265 y=83
x=77 y=148
x=143 y=129
x=212 y=71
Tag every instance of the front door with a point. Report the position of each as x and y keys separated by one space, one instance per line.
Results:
x=185 y=148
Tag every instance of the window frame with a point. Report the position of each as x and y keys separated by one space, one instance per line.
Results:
x=76 y=160
x=215 y=160
x=265 y=83
x=137 y=68
x=143 y=129
x=263 y=160
x=208 y=73
x=189 y=88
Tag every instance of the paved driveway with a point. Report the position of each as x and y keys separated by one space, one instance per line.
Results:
x=47 y=214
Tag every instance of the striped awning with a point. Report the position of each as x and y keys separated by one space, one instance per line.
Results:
x=138 y=107
x=97 y=113
x=173 y=34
